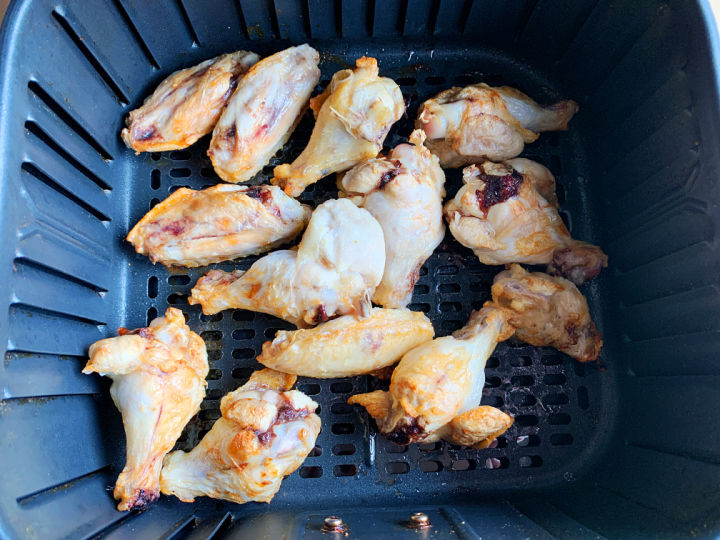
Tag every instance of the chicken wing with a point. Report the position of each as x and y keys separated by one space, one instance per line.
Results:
x=436 y=387
x=478 y=122
x=500 y=215
x=263 y=112
x=547 y=311
x=223 y=222
x=186 y=105
x=348 y=345
x=158 y=377
x=265 y=433
x=334 y=270
x=404 y=193
x=353 y=116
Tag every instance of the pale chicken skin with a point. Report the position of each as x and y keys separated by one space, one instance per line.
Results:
x=263 y=112
x=334 y=271
x=352 y=118
x=436 y=388
x=349 y=345
x=266 y=431
x=186 y=105
x=499 y=214
x=158 y=377
x=196 y=228
x=404 y=192
x=547 y=311
x=478 y=122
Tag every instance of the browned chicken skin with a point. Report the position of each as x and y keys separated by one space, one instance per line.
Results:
x=547 y=311
x=195 y=228
x=186 y=105
x=158 y=377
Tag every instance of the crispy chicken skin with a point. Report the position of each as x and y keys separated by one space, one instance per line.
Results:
x=547 y=311
x=404 y=193
x=186 y=105
x=266 y=431
x=195 y=228
x=349 y=345
x=499 y=214
x=352 y=118
x=158 y=377
x=436 y=387
x=334 y=271
x=478 y=122
x=263 y=112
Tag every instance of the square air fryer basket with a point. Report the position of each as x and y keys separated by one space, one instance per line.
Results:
x=625 y=447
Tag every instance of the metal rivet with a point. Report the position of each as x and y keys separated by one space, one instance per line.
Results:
x=419 y=520
x=333 y=524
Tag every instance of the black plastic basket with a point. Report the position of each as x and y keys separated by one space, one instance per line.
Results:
x=627 y=446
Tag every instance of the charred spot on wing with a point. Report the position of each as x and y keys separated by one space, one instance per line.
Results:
x=320 y=315
x=261 y=193
x=577 y=263
x=387 y=176
x=407 y=433
x=230 y=132
x=143 y=498
x=498 y=189
x=147 y=134
x=232 y=84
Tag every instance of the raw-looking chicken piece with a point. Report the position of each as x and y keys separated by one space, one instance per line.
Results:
x=352 y=118
x=334 y=271
x=223 y=222
x=158 y=377
x=349 y=345
x=404 y=192
x=436 y=388
x=500 y=215
x=186 y=105
x=478 y=122
x=547 y=311
x=266 y=431
x=263 y=112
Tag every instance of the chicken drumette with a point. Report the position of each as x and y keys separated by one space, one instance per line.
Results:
x=547 y=311
x=352 y=118
x=436 y=388
x=404 y=193
x=334 y=270
x=186 y=105
x=158 y=377
x=196 y=228
x=499 y=214
x=263 y=112
x=478 y=122
x=265 y=433
x=348 y=345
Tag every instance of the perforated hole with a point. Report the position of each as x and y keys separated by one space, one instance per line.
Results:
x=155 y=179
x=406 y=81
x=555 y=399
x=180 y=155
x=393 y=448
x=492 y=382
x=316 y=451
x=343 y=449
x=429 y=466
x=525 y=420
x=242 y=373
x=528 y=440
x=341 y=408
x=419 y=306
x=243 y=354
x=435 y=81
x=178 y=280
x=310 y=472
x=464 y=465
x=343 y=428
x=523 y=399
x=559 y=419
x=447 y=288
x=450 y=307
x=183 y=172
x=152 y=287
x=177 y=299
x=397 y=467
x=522 y=380
x=520 y=361
x=530 y=461
x=342 y=387
x=241 y=315
x=211 y=318
x=311 y=389
x=554 y=379
x=245 y=333
x=497 y=463
x=345 y=470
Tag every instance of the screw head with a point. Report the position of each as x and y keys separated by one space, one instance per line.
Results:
x=419 y=520
x=333 y=524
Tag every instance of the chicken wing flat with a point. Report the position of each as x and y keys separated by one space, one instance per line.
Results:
x=195 y=228
x=436 y=388
x=263 y=112
x=186 y=105
x=499 y=214
x=334 y=271
x=349 y=345
x=404 y=193
x=158 y=377
x=352 y=118
x=547 y=311
x=478 y=122
x=265 y=433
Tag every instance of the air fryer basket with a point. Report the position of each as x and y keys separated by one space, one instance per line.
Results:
x=627 y=446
